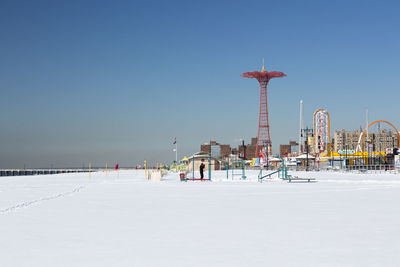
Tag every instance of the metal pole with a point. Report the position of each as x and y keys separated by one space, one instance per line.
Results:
x=176 y=155
x=243 y=169
x=366 y=126
x=244 y=150
x=367 y=145
x=209 y=163
x=306 y=143
x=145 y=169
x=227 y=170
x=379 y=137
x=301 y=127
x=209 y=167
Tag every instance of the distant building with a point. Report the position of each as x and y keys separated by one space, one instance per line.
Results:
x=285 y=150
x=348 y=140
x=248 y=150
x=222 y=152
x=217 y=150
x=345 y=140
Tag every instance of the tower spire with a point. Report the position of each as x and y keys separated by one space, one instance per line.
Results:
x=263 y=69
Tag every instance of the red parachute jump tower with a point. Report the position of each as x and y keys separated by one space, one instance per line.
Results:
x=263 y=137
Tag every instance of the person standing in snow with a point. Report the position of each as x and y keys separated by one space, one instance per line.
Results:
x=202 y=166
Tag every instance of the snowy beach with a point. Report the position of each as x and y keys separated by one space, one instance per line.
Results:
x=342 y=219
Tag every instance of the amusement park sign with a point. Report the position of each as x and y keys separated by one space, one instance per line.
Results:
x=344 y=152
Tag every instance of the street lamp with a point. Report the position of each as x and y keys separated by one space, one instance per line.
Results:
x=209 y=163
x=306 y=132
x=244 y=149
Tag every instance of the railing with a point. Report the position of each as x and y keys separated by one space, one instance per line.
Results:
x=17 y=172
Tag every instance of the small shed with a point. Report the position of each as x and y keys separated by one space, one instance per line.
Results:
x=273 y=161
x=197 y=159
x=303 y=159
x=305 y=156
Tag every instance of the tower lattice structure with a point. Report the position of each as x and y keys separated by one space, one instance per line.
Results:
x=264 y=143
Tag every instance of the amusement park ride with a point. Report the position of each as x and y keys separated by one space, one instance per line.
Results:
x=322 y=142
x=360 y=144
x=321 y=138
x=264 y=144
x=322 y=131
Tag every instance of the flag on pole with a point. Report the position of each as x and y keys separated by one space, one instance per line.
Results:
x=117 y=166
x=174 y=141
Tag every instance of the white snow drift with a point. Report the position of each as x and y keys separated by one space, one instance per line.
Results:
x=125 y=220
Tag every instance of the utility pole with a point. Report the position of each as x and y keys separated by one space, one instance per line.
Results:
x=305 y=133
x=244 y=150
x=379 y=137
x=301 y=126
x=209 y=163
x=176 y=155
x=366 y=126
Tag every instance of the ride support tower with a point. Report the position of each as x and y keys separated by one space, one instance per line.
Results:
x=263 y=136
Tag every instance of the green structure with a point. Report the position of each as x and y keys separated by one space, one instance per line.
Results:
x=282 y=173
x=238 y=169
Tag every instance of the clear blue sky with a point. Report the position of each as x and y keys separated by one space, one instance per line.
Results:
x=116 y=81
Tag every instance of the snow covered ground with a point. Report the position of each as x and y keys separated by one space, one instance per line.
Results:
x=121 y=219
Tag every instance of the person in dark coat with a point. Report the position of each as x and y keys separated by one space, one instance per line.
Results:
x=202 y=166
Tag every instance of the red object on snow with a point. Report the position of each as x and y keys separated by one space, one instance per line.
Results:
x=117 y=166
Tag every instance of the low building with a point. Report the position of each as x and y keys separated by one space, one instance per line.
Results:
x=200 y=157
